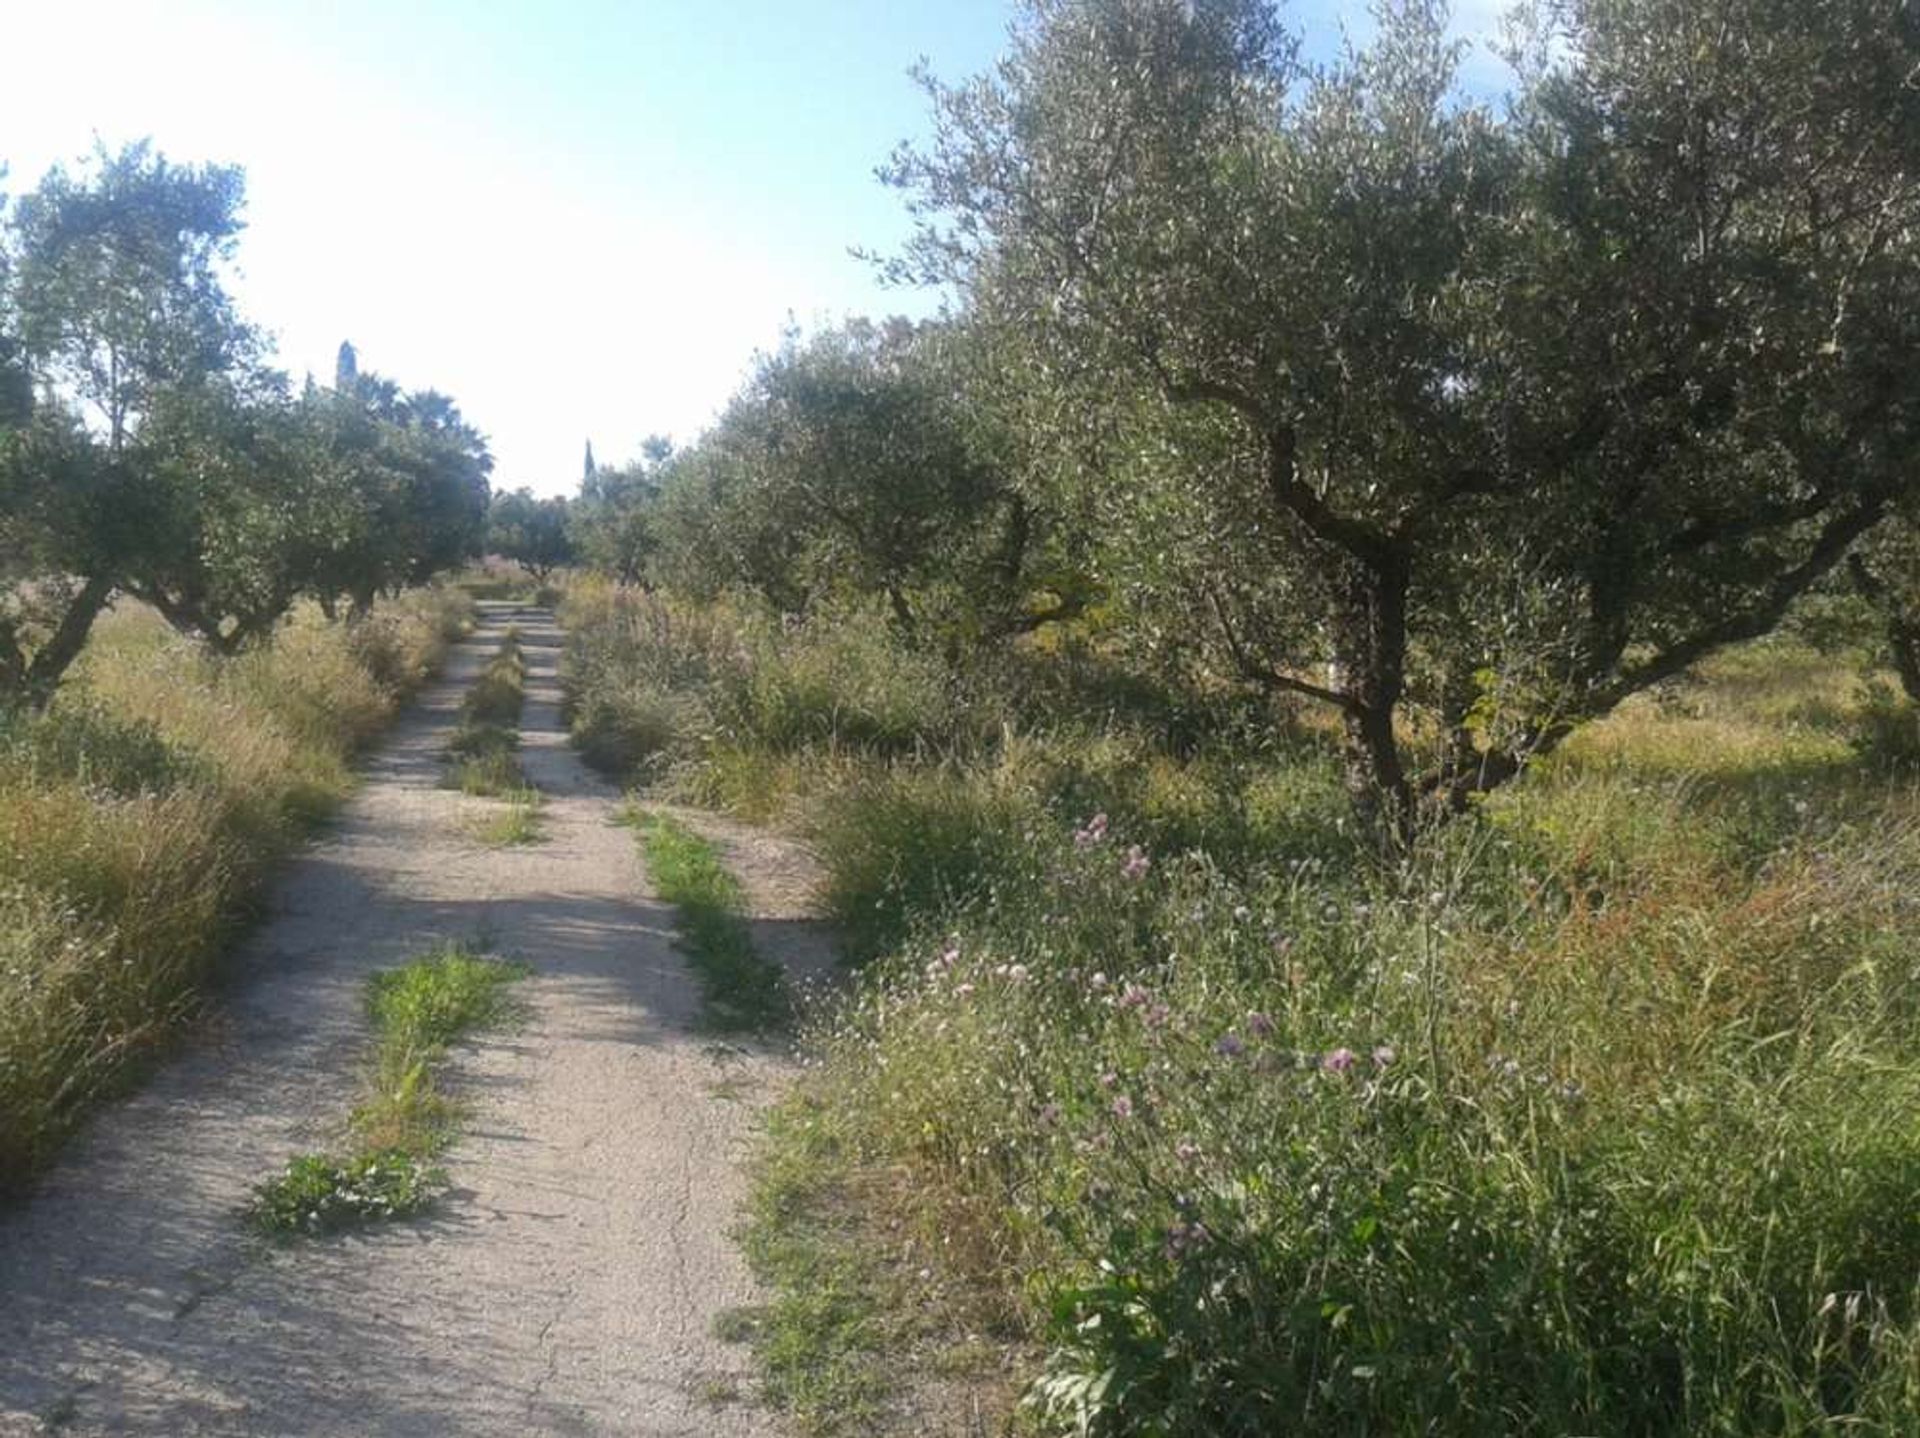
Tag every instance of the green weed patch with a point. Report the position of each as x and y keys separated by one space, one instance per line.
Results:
x=416 y=1010
x=741 y=989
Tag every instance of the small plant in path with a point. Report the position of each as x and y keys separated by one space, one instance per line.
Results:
x=517 y=823
x=741 y=990
x=317 y=1194
x=417 y=1010
x=480 y=755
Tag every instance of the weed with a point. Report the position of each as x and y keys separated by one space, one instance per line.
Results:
x=416 y=1011
x=518 y=822
x=740 y=989
x=317 y=1194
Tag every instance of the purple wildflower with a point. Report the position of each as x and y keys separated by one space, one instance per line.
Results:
x=1122 y=1106
x=1137 y=864
x=1338 y=1062
x=1183 y=1238
x=1230 y=1046
x=1091 y=832
x=1186 y=1150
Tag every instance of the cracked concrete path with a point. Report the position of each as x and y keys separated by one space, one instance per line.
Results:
x=569 y=1282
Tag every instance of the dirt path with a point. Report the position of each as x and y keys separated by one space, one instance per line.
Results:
x=569 y=1283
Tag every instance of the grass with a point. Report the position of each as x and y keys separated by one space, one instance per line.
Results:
x=482 y=754
x=482 y=760
x=139 y=819
x=516 y=824
x=1599 y=1114
x=404 y=1122
x=495 y=697
x=857 y=1284
x=740 y=990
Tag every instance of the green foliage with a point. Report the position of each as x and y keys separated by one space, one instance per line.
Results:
x=421 y=1007
x=416 y=1010
x=651 y=681
x=1572 y=393
x=534 y=533
x=739 y=989
x=96 y=749
x=1287 y=1147
x=318 y=1195
x=822 y=1342
x=1632 y=1162
x=613 y=525
x=145 y=451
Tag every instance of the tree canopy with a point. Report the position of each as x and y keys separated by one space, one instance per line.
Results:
x=1469 y=423
x=146 y=450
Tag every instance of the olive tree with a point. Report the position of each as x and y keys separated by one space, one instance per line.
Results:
x=868 y=459
x=531 y=531
x=114 y=285
x=611 y=525
x=1481 y=421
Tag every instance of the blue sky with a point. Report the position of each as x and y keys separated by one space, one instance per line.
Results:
x=579 y=219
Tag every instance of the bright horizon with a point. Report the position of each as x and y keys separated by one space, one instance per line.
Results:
x=580 y=224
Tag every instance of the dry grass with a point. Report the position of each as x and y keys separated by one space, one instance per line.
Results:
x=137 y=821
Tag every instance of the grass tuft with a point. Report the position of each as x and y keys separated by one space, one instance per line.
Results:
x=517 y=823
x=740 y=989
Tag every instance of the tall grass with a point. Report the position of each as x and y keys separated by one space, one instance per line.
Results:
x=1603 y=1115
x=138 y=818
x=1600 y=1114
